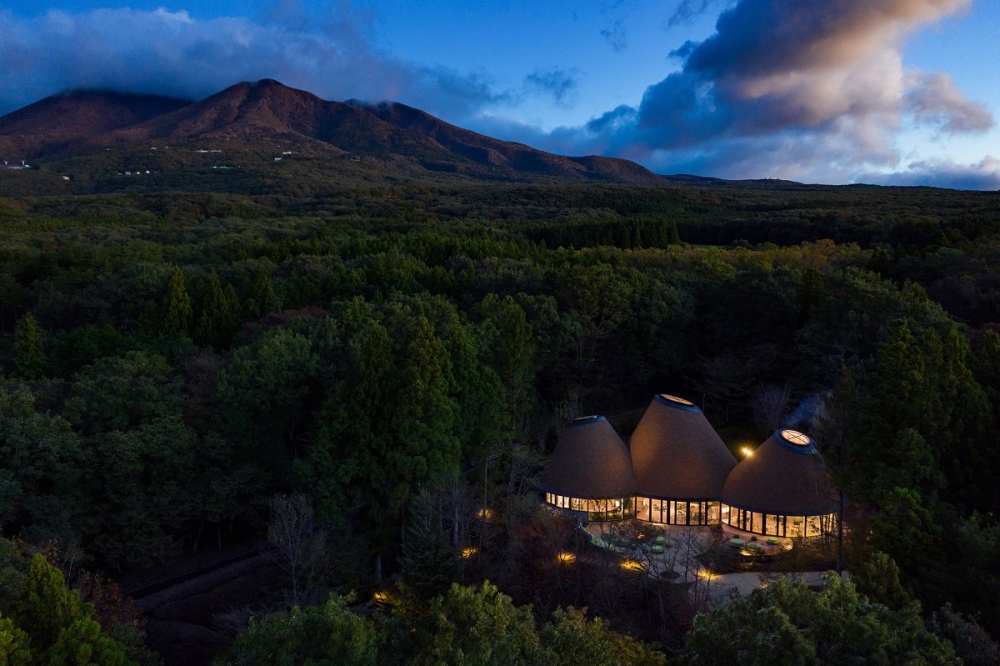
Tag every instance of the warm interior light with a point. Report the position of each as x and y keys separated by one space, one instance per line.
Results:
x=467 y=553
x=631 y=565
x=381 y=597
x=674 y=398
x=747 y=451
x=566 y=558
x=485 y=514
x=795 y=437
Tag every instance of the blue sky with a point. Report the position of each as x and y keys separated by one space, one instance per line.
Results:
x=894 y=91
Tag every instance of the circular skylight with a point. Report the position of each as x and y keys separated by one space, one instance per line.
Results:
x=795 y=437
x=674 y=398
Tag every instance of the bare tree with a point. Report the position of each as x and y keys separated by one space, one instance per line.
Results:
x=769 y=403
x=299 y=548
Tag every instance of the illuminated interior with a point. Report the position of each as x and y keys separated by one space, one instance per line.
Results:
x=597 y=510
x=674 y=398
x=769 y=524
x=671 y=512
x=795 y=437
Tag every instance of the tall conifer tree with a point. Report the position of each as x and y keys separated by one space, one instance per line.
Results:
x=178 y=314
x=29 y=349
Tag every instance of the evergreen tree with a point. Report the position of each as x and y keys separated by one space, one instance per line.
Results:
x=14 y=644
x=425 y=449
x=347 y=461
x=429 y=565
x=29 y=349
x=507 y=345
x=262 y=299
x=60 y=627
x=178 y=315
x=234 y=310
x=220 y=315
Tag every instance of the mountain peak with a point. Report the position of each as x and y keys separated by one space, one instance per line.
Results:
x=267 y=109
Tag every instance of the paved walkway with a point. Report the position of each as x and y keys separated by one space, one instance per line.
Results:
x=716 y=590
x=707 y=589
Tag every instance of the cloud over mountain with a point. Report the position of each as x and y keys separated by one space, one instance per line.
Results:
x=798 y=89
x=171 y=53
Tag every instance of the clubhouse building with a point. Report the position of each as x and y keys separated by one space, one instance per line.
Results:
x=677 y=471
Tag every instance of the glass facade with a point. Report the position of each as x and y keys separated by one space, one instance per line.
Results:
x=597 y=510
x=769 y=524
x=672 y=512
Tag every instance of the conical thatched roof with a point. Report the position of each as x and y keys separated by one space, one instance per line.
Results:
x=785 y=475
x=590 y=462
x=676 y=454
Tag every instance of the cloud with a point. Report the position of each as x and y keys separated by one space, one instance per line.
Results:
x=944 y=173
x=171 y=53
x=560 y=84
x=688 y=10
x=790 y=88
x=934 y=100
x=616 y=35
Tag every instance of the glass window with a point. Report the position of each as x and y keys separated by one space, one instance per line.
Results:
x=796 y=526
x=757 y=522
x=713 y=513
x=771 y=525
x=694 y=515
x=725 y=513
x=642 y=508
x=681 y=514
x=657 y=511
x=813 y=526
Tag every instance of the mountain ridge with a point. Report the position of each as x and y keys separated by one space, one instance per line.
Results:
x=266 y=109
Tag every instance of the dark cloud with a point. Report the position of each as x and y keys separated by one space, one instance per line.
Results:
x=944 y=173
x=791 y=88
x=171 y=53
x=560 y=84
x=616 y=35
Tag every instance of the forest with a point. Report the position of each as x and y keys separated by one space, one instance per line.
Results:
x=369 y=378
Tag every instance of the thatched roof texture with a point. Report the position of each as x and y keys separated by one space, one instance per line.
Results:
x=590 y=462
x=676 y=454
x=785 y=476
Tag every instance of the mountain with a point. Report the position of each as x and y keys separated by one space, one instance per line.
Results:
x=400 y=137
x=85 y=113
x=519 y=157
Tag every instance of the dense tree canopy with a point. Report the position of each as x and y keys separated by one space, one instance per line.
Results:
x=172 y=360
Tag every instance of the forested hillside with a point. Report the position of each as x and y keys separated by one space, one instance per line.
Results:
x=393 y=361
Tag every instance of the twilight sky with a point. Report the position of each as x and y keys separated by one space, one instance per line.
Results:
x=833 y=91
